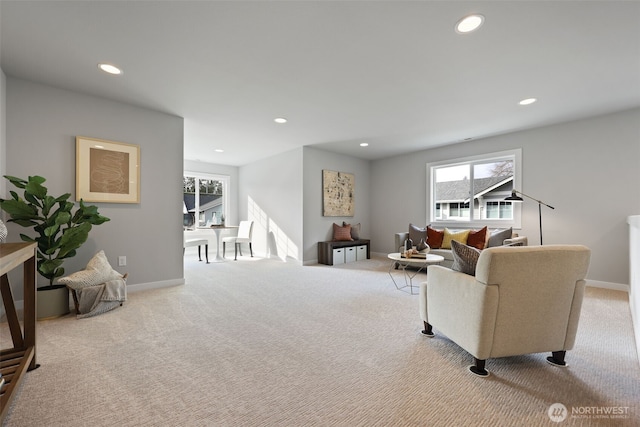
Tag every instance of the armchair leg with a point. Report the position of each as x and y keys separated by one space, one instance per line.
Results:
x=478 y=368
x=428 y=330
x=557 y=358
x=199 y=256
x=236 y=257
x=224 y=248
x=251 y=249
x=206 y=252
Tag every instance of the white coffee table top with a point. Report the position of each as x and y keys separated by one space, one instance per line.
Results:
x=430 y=259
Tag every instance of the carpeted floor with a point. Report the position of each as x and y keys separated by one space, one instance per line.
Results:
x=266 y=343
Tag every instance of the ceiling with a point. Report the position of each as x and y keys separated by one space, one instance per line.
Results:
x=393 y=74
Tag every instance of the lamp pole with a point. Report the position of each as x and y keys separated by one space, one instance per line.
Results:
x=514 y=197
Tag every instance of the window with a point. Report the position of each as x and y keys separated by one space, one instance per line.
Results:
x=459 y=210
x=473 y=189
x=503 y=210
x=205 y=199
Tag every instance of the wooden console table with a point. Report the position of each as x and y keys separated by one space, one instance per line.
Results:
x=16 y=361
x=327 y=250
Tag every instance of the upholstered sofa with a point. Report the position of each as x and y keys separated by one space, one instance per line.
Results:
x=490 y=238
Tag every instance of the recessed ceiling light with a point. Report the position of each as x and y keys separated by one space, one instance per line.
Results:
x=469 y=23
x=219 y=150
x=280 y=120
x=527 y=101
x=111 y=69
x=364 y=144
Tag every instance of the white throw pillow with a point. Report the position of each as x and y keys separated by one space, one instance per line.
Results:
x=98 y=271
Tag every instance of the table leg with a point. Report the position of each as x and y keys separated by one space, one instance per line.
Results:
x=10 y=310
x=421 y=268
x=408 y=277
x=29 y=312
x=218 y=257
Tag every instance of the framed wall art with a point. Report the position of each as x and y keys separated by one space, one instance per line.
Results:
x=338 y=191
x=107 y=171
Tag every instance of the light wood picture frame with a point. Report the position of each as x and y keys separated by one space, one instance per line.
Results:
x=338 y=193
x=107 y=171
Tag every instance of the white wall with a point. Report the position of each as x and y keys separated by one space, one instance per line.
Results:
x=318 y=228
x=587 y=169
x=634 y=273
x=42 y=123
x=270 y=194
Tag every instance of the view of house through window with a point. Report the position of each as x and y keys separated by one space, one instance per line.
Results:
x=204 y=200
x=473 y=190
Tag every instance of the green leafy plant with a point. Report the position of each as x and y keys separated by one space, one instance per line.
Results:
x=60 y=231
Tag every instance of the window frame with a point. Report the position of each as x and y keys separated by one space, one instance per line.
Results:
x=516 y=222
x=225 y=179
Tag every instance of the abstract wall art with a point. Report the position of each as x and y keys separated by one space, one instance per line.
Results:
x=107 y=171
x=338 y=192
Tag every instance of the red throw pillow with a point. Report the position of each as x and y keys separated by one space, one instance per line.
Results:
x=477 y=238
x=434 y=237
x=341 y=233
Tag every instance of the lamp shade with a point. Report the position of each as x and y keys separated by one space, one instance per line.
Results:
x=514 y=197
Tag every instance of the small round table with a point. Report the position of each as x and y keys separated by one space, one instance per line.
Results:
x=218 y=230
x=403 y=263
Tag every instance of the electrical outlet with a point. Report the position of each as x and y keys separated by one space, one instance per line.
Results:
x=122 y=261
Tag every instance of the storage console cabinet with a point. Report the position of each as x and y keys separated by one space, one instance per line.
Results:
x=332 y=253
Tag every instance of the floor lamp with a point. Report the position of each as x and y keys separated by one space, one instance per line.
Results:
x=515 y=198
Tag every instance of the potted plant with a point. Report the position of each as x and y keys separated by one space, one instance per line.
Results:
x=59 y=230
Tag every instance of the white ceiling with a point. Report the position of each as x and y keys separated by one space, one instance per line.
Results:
x=394 y=74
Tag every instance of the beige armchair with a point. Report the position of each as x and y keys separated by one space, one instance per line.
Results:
x=522 y=300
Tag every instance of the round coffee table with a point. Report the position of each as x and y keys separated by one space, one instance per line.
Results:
x=403 y=263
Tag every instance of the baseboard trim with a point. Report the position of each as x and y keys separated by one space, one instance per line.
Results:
x=155 y=285
x=19 y=304
x=608 y=285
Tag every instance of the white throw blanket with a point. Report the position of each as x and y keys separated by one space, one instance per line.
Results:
x=94 y=300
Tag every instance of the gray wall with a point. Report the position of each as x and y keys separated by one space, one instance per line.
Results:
x=3 y=136
x=317 y=227
x=270 y=194
x=42 y=123
x=283 y=195
x=587 y=169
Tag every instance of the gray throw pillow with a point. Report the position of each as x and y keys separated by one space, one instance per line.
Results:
x=417 y=233
x=465 y=258
x=498 y=237
x=355 y=230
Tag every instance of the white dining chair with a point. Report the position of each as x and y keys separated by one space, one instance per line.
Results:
x=245 y=230
x=196 y=241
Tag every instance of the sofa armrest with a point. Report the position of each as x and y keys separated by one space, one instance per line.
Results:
x=461 y=308
x=517 y=241
x=399 y=239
